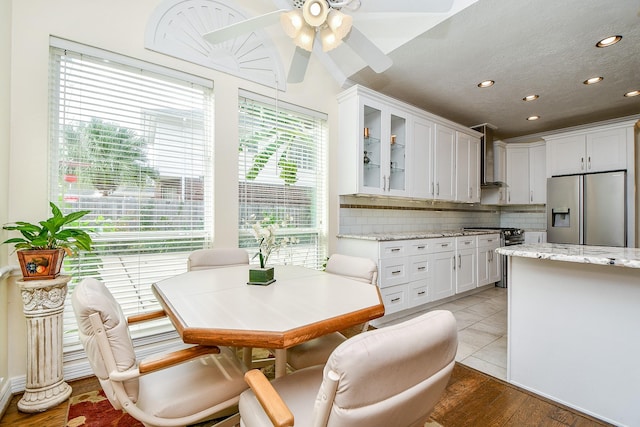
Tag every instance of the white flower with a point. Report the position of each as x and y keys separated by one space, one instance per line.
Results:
x=264 y=231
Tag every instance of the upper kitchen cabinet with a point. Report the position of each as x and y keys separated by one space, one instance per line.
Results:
x=467 y=168
x=526 y=177
x=390 y=148
x=373 y=138
x=588 y=151
x=444 y=163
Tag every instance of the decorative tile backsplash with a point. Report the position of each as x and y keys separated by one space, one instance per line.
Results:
x=362 y=215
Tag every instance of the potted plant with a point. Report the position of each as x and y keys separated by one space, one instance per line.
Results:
x=42 y=247
x=264 y=230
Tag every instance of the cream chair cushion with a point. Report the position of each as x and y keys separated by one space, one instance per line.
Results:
x=203 y=259
x=177 y=391
x=392 y=376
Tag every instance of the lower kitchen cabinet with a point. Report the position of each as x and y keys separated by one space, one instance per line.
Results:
x=489 y=268
x=465 y=264
x=415 y=272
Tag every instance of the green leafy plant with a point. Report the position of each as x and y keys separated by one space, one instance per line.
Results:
x=52 y=233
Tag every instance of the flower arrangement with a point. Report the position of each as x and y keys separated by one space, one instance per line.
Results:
x=264 y=230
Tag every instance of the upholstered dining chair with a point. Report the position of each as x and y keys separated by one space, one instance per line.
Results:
x=203 y=259
x=392 y=376
x=317 y=351
x=183 y=387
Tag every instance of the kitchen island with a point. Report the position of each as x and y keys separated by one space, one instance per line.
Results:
x=574 y=327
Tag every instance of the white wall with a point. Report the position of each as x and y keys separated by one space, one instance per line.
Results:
x=5 y=79
x=118 y=26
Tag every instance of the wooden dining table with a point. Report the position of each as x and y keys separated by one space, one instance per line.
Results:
x=218 y=307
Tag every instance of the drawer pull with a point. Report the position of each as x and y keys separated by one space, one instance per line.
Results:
x=467 y=243
x=395 y=249
x=396 y=272
x=444 y=245
x=420 y=247
x=422 y=268
x=395 y=299
x=422 y=292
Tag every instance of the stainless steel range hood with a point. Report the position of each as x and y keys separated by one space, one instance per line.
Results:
x=487 y=168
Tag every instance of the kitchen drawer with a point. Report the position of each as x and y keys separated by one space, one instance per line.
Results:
x=395 y=298
x=393 y=271
x=466 y=242
x=393 y=249
x=419 y=246
x=444 y=244
x=419 y=293
x=418 y=267
x=489 y=240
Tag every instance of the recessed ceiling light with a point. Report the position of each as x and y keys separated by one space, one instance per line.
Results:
x=530 y=97
x=632 y=93
x=608 y=41
x=486 y=83
x=593 y=80
x=532 y=118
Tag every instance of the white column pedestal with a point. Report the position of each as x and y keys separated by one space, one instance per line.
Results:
x=43 y=304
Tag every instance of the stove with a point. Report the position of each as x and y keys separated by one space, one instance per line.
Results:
x=509 y=236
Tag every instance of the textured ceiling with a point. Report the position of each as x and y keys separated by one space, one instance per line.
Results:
x=544 y=47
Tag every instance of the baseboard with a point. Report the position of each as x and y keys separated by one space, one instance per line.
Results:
x=5 y=397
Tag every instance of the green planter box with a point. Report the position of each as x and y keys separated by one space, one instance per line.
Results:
x=261 y=276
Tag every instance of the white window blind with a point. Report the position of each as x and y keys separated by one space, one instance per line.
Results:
x=134 y=147
x=282 y=176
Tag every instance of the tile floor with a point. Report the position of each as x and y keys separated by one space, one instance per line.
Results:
x=482 y=330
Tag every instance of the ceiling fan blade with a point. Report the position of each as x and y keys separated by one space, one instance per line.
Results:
x=239 y=28
x=422 y=6
x=299 y=65
x=372 y=55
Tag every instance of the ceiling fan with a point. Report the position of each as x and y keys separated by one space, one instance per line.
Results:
x=323 y=23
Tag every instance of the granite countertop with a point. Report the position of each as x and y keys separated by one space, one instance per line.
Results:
x=415 y=235
x=603 y=255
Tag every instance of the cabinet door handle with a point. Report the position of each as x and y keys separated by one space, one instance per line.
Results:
x=581 y=163
x=422 y=292
x=470 y=192
x=508 y=195
x=444 y=245
x=395 y=249
x=589 y=162
x=437 y=189
x=395 y=300
x=432 y=188
x=531 y=196
x=396 y=272
x=459 y=261
x=454 y=262
x=421 y=268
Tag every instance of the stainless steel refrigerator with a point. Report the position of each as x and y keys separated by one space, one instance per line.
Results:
x=587 y=209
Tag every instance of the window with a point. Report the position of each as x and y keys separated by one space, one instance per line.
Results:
x=131 y=142
x=282 y=176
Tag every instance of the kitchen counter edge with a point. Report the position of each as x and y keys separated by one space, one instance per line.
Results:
x=381 y=237
x=583 y=254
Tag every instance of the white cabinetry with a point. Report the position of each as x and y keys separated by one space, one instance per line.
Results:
x=467 y=168
x=444 y=163
x=594 y=151
x=526 y=174
x=444 y=261
x=535 y=237
x=389 y=148
x=465 y=267
x=374 y=137
x=489 y=269
x=422 y=158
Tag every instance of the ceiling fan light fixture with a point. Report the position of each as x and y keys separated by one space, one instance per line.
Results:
x=608 y=41
x=315 y=12
x=292 y=22
x=339 y=23
x=632 y=93
x=531 y=97
x=532 y=118
x=305 y=37
x=328 y=39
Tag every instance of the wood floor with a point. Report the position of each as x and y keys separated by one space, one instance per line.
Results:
x=471 y=399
